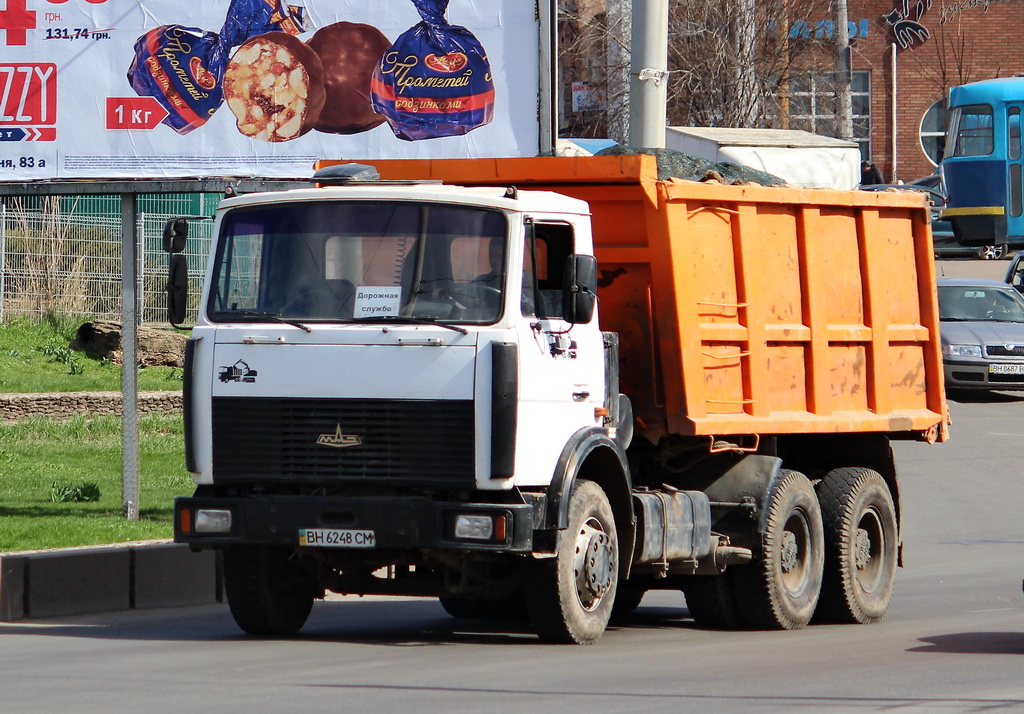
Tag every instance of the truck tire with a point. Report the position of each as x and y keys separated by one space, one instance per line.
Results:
x=779 y=590
x=711 y=602
x=267 y=595
x=569 y=597
x=860 y=546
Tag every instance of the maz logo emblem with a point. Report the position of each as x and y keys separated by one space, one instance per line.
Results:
x=338 y=440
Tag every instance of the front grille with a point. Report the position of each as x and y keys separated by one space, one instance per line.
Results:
x=1004 y=350
x=414 y=441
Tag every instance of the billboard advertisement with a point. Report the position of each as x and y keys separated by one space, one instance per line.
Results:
x=260 y=88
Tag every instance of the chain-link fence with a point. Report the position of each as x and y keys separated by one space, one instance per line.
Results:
x=61 y=254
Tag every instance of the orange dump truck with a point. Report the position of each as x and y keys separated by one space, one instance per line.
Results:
x=560 y=383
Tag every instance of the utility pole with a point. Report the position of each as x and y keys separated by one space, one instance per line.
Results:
x=746 y=71
x=844 y=72
x=648 y=76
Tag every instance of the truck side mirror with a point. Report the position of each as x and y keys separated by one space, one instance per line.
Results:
x=175 y=233
x=579 y=286
x=177 y=289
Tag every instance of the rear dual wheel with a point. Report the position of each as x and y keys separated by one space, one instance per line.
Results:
x=780 y=590
x=861 y=540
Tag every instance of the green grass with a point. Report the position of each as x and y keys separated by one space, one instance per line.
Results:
x=35 y=357
x=41 y=455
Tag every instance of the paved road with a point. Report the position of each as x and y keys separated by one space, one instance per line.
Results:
x=953 y=640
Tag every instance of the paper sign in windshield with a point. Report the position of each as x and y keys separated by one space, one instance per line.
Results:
x=376 y=301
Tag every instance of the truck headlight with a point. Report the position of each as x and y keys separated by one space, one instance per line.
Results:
x=475 y=527
x=490 y=527
x=213 y=520
x=962 y=350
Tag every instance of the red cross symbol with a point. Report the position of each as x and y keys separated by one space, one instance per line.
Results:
x=16 y=19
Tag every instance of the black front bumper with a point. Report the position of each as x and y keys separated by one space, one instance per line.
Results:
x=396 y=523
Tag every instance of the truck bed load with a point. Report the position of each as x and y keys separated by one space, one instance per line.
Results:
x=748 y=310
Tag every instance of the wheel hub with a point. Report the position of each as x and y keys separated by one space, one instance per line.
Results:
x=598 y=562
x=790 y=555
x=595 y=564
x=862 y=550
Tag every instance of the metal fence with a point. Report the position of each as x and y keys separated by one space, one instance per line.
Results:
x=60 y=254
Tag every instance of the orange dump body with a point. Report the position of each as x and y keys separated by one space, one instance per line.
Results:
x=747 y=309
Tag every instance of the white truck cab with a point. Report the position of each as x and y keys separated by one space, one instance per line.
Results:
x=397 y=374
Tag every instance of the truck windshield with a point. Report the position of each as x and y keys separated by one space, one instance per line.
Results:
x=346 y=261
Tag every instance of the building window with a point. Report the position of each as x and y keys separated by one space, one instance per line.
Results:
x=812 y=106
x=933 y=132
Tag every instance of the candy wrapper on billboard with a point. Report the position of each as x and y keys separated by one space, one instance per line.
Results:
x=435 y=80
x=183 y=67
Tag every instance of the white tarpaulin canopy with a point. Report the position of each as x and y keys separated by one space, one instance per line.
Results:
x=799 y=157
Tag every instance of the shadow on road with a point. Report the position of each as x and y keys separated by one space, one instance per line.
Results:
x=396 y=623
x=973 y=643
x=981 y=396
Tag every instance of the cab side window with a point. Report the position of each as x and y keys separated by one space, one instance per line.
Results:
x=543 y=268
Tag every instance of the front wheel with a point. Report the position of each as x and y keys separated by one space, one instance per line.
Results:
x=267 y=594
x=780 y=590
x=570 y=597
x=860 y=546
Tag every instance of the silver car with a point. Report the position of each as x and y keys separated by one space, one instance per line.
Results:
x=982 y=325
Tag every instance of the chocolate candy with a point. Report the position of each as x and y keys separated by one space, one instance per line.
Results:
x=183 y=67
x=435 y=80
x=274 y=87
x=349 y=52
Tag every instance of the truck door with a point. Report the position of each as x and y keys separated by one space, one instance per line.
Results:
x=561 y=366
x=1015 y=173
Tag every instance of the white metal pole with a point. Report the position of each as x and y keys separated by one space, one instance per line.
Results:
x=895 y=114
x=844 y=110
x=649 y=74
x=129 y=363
x=549 y=84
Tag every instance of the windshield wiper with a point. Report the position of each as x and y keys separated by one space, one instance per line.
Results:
x=272 y=316
x=406 y=320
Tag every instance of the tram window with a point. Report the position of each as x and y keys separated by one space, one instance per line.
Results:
x=1015 y=191
x=974 y=130
x=1013 y=134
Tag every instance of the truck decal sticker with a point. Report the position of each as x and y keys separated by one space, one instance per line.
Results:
x=238 y=372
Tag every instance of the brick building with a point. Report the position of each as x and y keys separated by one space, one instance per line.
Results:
x=934 y=45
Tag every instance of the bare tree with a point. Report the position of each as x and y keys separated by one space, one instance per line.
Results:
x=723 y=73
x=730 y=61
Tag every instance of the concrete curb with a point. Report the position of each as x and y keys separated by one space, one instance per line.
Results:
x=132 y=576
